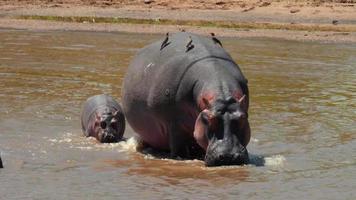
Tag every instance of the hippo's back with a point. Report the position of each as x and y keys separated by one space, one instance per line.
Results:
x=154 y=77
x=156 y=71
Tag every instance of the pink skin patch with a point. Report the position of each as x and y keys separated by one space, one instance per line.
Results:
x=237 y=95
x=200 y=130
x=93 y=127
x=205 y=100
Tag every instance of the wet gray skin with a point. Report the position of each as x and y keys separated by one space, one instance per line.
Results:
x=185 y=94
x=103 y=119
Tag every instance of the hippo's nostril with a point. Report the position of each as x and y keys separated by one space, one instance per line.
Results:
x=103 y=124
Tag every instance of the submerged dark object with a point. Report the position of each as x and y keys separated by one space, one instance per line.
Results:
x=1 y=166
x=102 y=118
x=190 y=98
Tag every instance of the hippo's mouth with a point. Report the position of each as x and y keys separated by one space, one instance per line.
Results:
x=107 y=137
x=217 y=155
x=229 y=159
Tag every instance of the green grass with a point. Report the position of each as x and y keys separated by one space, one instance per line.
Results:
x=197 y=23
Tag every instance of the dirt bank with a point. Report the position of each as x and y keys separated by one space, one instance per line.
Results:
x=330 y=21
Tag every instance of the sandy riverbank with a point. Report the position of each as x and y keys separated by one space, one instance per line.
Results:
x=330 y=22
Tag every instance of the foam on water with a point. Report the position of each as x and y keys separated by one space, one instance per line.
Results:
x=255 y=140
x=130 y=144
x=134 y=144
x=275 y=160
x=77 y=141
x=66 y=138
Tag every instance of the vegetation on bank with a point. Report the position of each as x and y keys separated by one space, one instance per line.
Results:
x=197 y=23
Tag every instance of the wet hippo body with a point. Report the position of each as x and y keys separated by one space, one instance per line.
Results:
x=102 y=118
x=187 y=95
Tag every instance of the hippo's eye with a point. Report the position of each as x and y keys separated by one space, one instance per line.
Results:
x=103 y=124
x=238 y=124
x=114 y=125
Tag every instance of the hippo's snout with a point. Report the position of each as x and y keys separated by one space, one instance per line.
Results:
x=108 y=138
x=227 y=159
x=223 y=152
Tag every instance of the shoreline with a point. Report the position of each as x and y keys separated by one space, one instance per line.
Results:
x=327 y=23
x=303 y=36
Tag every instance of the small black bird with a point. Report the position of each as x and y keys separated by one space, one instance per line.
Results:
x=335 y=22
x=165 y=42
x=189 y=42
x=216 y=40
x=189 y=45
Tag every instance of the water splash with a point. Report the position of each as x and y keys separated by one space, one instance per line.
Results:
x=66 y=138
x=254 y=140
x=135 y=144
x=275 y=160
x=131 y=144
x=77 y=141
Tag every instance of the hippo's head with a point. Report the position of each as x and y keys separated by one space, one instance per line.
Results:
x=109 y=127
x=222 y=129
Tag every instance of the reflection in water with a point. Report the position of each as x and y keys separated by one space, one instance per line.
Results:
x=176 y=171
x=302 y=114
x=148 y=162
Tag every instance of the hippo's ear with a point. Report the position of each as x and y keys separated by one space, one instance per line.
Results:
x=243 y=102
x=201 y=131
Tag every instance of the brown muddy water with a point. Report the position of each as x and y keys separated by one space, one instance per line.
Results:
x=303 y=113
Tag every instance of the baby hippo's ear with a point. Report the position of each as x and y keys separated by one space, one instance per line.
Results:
x=97 y=117
x=118 y=115
x=115 y=114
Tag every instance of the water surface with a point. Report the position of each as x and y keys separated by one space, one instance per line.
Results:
x=302 y=116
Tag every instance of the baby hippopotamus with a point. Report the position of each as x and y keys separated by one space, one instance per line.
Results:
x=102 y=118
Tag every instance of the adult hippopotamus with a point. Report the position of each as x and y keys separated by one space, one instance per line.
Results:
x=102 y=118
x=186 y=94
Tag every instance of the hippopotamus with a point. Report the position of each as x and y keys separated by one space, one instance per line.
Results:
x=1 y=166
x=186 y=95
x=102 y=117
